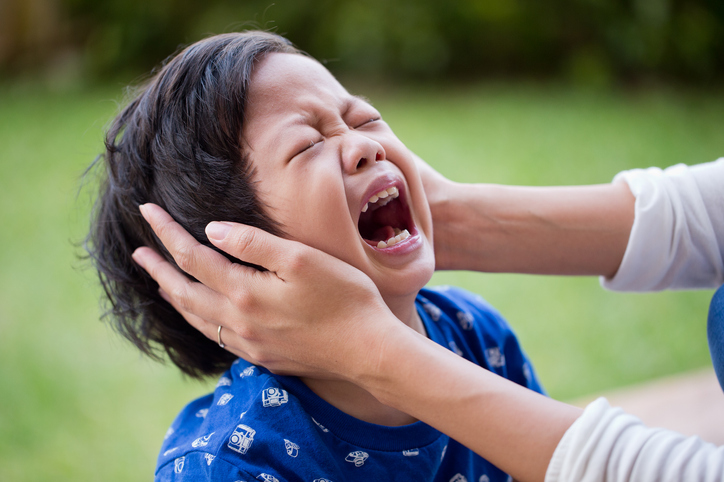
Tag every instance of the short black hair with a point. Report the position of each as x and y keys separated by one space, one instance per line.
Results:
x=176 y=144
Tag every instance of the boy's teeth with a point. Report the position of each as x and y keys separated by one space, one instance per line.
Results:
x=399 y=236
x=386 y=194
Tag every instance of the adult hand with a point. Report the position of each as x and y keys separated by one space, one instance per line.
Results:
x=287 y=318
x=572 y=230
x=440 y=193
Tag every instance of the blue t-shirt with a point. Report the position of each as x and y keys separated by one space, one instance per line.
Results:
x=261 y=426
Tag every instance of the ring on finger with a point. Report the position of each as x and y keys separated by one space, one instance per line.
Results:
x=218 y=337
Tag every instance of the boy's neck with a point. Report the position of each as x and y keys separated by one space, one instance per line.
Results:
x=357 y=402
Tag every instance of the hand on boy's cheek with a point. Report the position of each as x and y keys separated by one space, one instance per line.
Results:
x=285 y=318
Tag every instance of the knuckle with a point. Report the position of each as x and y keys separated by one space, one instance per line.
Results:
x=245 y=332
x=296 y=259
x=185 y=256
x=242 y=300
x=180 y=294
x=245 y=239
x=163 y=228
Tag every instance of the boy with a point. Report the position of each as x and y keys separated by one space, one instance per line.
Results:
x=245 y=128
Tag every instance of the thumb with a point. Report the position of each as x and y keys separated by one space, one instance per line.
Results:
x=253 y=245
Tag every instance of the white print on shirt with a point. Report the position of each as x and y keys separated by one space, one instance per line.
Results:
x=202 y=441
x=411 y=452
x=433 y=311
x=454 y=347
x=484 y=478
x=169 y=432
x=241 y=439
x=495 y=358
x=292 y=448
x=267 y=478
x=459 y=478
x=202 y=413
x=321 y=427
x=224 y=382
x=357 y=458
x=248 y=371
x=178 y=464
x=209 y=458
x=224 y=399
x=274 y=397
x=442 y=456
x=321 y=480
x=170 y=451
x=466 y=320
x=242 y=415
x=442 y=288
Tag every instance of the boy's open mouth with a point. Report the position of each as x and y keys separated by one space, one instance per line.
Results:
x=385 y=219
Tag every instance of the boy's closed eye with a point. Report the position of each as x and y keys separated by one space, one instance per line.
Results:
x=368 y=121
x=313 y=143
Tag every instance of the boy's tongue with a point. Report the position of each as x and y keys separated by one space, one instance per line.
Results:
x=383 y=234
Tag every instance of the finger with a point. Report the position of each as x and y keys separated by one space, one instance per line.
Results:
x=186 y=295
x=201 y=262
x=256 y=246
x=197 y=322
x=232 y=341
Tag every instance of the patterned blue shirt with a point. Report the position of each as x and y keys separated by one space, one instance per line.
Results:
x=261 y=426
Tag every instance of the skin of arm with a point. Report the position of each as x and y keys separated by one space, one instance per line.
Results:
x=329 y=303
x=576 y=230
x=513 y=427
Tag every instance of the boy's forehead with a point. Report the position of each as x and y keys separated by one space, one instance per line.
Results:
x=294 y=77
x=289 y=90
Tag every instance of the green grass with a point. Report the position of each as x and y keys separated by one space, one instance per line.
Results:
x=77 y=403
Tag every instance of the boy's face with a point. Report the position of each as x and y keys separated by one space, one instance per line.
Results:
x=321 y=158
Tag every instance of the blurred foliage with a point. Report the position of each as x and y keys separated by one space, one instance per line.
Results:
x=587 y=41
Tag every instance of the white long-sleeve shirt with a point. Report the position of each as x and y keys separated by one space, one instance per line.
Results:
x=676 y=242
x=677 y=239
x=607 y=444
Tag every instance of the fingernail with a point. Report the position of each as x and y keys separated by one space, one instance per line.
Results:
x=142 y=208
x=217 y=231
x=137 y=257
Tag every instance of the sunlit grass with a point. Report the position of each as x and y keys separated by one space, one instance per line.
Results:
x=77 y=403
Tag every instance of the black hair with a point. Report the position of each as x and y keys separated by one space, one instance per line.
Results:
x=176 y=144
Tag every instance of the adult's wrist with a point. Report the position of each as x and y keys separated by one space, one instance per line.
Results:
x=468 y=224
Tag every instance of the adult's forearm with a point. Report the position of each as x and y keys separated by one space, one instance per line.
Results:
x=513 y=427
x=581 y=230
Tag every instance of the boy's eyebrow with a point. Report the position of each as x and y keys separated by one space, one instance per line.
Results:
x=353 y=100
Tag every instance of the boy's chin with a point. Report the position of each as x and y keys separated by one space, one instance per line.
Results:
x=408 y=284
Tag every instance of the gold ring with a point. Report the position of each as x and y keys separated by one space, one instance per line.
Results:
x=218 y=336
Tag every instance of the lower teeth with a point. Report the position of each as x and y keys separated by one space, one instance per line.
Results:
x=400 y=236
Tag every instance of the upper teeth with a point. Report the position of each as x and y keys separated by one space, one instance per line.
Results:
x=386 y=195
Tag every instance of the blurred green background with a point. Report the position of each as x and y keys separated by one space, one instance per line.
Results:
x=565 y=92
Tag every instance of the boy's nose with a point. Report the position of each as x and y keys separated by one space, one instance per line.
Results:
x=360 y=152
